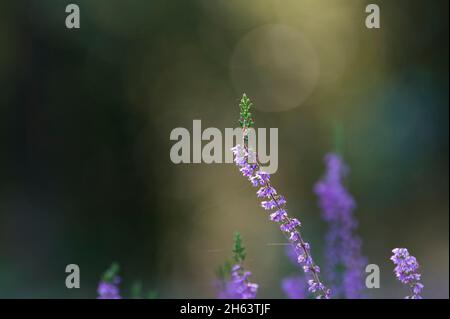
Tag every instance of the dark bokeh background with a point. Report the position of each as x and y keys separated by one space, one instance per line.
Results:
x=85 y=118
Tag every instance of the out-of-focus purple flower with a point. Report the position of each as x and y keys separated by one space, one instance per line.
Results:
x=239 y=287
x=294 y=287
x=407 y=271
x=109 y=289
x=344 y=261
x=292 y=254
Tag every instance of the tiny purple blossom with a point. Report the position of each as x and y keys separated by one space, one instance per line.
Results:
x=294 y=236
x=301 y=258
x=263 y=177
x=255 y=181
x=266 y=191
x=281 y=200
x=269 y=204
x=291 y=225
x=278 y=216
x=248 y=170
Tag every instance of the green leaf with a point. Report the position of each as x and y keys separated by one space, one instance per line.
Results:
x=111 y=273
x=136 y=290
x=152 y=294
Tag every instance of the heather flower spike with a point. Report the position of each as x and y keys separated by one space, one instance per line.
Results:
x=234 y=279
x=407 y=271
x=247 y=160
x=108 y=287
x=344 y=261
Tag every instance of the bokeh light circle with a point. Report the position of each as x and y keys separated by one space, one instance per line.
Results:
x=276 y=65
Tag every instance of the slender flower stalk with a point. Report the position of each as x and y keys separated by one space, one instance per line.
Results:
x=237 y=286
x=250 y=167
x=344 y=261
x=407 y=271
x=108 y=287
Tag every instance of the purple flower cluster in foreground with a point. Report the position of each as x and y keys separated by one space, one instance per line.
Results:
x=239 y=287
x=407 y=271
x=273 y=202
x=109 y=289
x=343 y=246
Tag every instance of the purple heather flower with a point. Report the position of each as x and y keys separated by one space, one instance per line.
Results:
x=301 y=258
x=278 y=216
x=266 y=191
x=109 y=290
x=260 y=179
x=248 y=170
x=239 y=287
x=289 y=226
x=269 y=204
x=314 y=286
x=407 y=271
x=281 y=200
x=255 y=181
x=294 y=236
x=263 y=176
x=343 y=246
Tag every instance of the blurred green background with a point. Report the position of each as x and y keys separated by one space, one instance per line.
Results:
x=85 y=118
